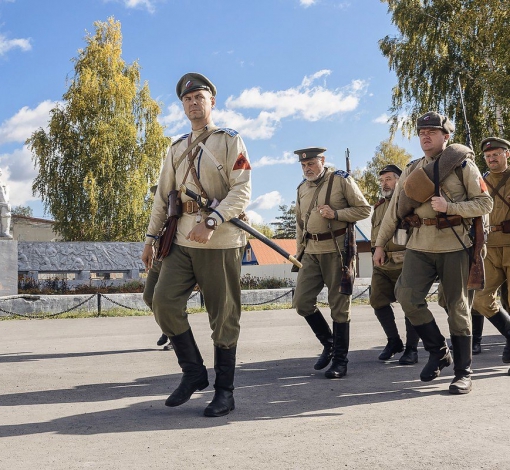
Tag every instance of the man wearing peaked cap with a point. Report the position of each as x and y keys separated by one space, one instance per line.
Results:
x=309 y=153
x=194 y=81
x=384 y=278
x=206 y=250
x=438 y=223
x=326 y=202
x=497 y=261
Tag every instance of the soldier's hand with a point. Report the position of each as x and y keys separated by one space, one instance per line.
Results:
x=326 y=211
x=147 y=257
x=439 y=204
x=379 y=256
x=200 y=233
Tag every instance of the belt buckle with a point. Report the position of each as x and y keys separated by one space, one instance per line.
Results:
x=425 y=219
x=315 y=236
x=188 y=209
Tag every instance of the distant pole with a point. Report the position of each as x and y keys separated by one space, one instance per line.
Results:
x=347 y=161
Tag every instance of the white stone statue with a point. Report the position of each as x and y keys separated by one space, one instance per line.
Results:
x=5 y=210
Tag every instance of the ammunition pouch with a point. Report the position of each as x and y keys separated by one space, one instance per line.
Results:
x=505 y=226
x=412 y=221
x=174 y=204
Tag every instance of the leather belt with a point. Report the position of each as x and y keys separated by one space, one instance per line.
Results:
x=496 y=228
x=454 y=220
x=190 y=207
x=319 y=237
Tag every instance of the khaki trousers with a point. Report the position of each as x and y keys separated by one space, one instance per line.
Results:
x=318 y=270
x=218 y=274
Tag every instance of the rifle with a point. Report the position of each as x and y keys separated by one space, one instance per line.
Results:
x=208 y=204
x=350 y=248
x=476 y=278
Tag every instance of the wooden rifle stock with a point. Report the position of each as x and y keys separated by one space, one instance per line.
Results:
x=476 y=279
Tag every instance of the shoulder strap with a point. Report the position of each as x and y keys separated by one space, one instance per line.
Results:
x=495 y=190
x=190 y=147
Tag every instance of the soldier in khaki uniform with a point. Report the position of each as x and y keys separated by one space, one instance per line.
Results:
x=326 y=201
x=207 y=249
x=384 y=278
x=438 y=200
x=497 y=262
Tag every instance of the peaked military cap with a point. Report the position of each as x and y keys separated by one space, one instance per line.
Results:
x=194 y=81
x=309 y=153
x=433 y=120
x=391 y=168
x=495 y=143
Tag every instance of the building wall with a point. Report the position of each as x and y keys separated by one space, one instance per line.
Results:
x=27 y=229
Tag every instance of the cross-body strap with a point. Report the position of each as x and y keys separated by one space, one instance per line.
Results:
x=191 y=145
x=495 y=190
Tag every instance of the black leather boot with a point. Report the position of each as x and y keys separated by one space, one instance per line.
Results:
x=410 y=355
x=163 y=339
x=462 y=357
x=194 y=375
x=224 y=366
x=320 y=327
x=439 y=354
x=394 y=345
x=340 y=349
x=502 y=322
x=477 y=331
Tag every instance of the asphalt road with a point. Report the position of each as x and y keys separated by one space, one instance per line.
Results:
x=89 y=394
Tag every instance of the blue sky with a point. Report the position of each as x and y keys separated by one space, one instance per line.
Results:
x=289 y=73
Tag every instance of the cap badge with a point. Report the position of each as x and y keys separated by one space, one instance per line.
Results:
x=426 y=118
x=188 y=84
x=303 y=155
x=488 y=144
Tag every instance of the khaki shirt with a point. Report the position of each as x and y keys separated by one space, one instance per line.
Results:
x=232 y=189
x=466 y=199
x=500 y=211
x=346 y=198
x=394 y=253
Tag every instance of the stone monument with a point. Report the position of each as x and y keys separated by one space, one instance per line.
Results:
x=8 y=247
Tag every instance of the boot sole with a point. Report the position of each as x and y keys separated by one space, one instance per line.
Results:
x=448 y=362
x=218 y=415
x=181 y=402
x=458 y=391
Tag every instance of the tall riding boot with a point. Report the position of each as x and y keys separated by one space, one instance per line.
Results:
x=194 y=375
x=410 y=355
x=340 y=349
x=439 y=354
x=502 y=322
x=320 y=327
x=462 y=357
x=394 y=345
x=477 y=319
x=224 y=366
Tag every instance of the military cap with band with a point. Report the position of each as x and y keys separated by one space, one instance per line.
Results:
x=433 y=120
x=194 y=81
x=392 y=169
x=309 y=153
x=494 y=143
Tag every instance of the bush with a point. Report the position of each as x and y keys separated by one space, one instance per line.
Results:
x=253 y=282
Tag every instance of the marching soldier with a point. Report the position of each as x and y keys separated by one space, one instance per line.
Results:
x=207 y=250
x=326 y=201
x=497 y=262
x=384 y=278
x=437 y=195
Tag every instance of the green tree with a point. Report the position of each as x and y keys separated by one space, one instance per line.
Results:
x=103 y=148
x=25 y=211
x=440 y=42
x=368 y=178
x=264 y=229
x=285 y=227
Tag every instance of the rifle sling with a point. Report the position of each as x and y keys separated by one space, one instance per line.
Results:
x=326 y=202
x=495 y=190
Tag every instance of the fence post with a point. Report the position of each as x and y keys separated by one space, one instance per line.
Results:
x=98 y=304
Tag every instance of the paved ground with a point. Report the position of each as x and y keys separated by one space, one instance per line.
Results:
x=89 y=393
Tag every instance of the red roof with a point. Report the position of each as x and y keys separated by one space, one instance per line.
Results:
x=266 y=255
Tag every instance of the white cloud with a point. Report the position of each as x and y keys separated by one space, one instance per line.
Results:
x=18 y=173
x=257 y=114
x=307 y=3
x=147 y=4
x=255 y=218
x=8 y=44
x=382 y=119
x=266 y=201
x=287 y=159
x=174 y=120
x=20 y=126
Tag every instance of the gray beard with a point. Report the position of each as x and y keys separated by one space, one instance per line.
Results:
x=387 y=194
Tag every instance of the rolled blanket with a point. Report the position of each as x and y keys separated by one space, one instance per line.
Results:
x=419 y=185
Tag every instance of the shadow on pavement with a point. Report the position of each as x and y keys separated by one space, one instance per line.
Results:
x=270 y=390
